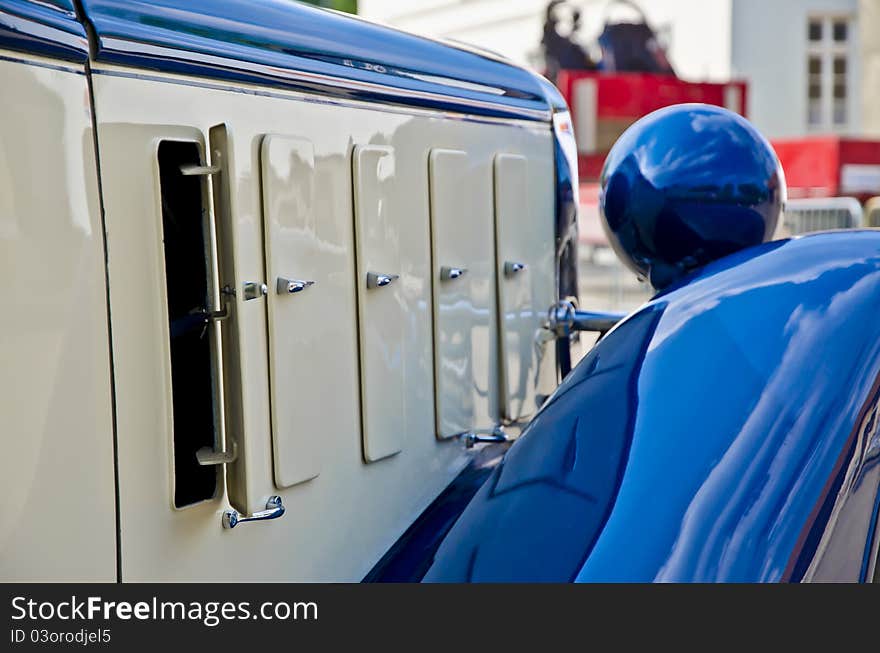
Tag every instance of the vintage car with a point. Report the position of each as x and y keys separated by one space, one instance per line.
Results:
x=726 y=430
x=260 y=259
x=283 y=285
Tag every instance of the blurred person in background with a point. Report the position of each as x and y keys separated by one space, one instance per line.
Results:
x=560 y=49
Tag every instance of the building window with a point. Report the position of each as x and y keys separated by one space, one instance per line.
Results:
x=829 y=49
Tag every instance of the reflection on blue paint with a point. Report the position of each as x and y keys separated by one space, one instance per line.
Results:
x=45 y=27
x=289 y=44
x=545 y=504
x=746 y=435
x=686 y=185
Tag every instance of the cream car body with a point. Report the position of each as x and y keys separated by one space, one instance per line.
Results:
x=340 y=396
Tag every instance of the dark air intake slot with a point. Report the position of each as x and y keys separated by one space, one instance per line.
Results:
x=185 y=229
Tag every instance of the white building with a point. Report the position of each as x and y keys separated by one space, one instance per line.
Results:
x=813 y=66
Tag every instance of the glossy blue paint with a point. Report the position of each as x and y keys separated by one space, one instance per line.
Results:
x=566 y=245
x=47 y=28
x=566 y=230
x=292 y=45
x=726 y=431
x=542 y=508
x=408 y=559
x=686 y=185
x=552 y=95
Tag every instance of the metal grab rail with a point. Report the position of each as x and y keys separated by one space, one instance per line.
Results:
x=563 y=319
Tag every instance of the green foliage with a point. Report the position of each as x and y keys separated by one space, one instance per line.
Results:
x=351 y=6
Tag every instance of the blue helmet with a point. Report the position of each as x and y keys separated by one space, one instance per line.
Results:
x=686 y=185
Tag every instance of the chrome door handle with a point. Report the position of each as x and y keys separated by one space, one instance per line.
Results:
x=290 y=286
x=376 y=280
x=512 y=267
x=274 y=509
x=447 y=273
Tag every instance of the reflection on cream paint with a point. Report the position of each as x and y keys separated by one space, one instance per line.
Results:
x=54 y=364
x=350 y=503
x=521 y=237
x=381 y=306
x=297 y=341
x=464 y=328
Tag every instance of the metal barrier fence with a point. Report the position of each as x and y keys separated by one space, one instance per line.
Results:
x=872 y=212
x=820 y=214
x=606 y=285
